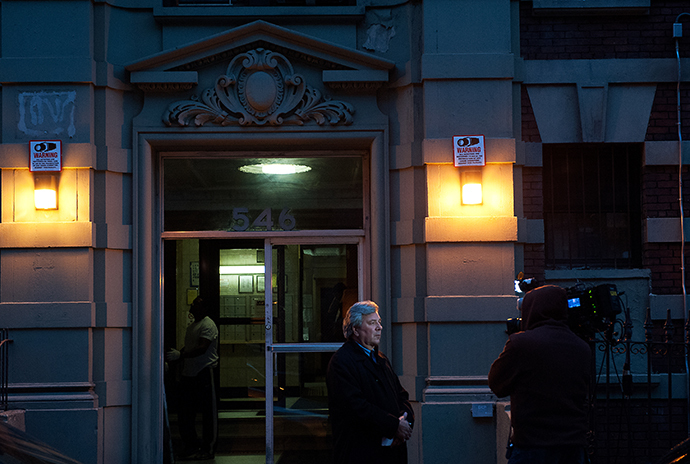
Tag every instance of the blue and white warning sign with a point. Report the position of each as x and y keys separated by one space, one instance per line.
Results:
x=46 y=155
x=468 y=150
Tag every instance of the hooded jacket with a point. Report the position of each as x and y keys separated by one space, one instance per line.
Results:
x=545 y=369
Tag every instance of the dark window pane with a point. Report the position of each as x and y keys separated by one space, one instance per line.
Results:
x=592 y=212
x=217 y=194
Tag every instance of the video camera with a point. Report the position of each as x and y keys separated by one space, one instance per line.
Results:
x=591 y=308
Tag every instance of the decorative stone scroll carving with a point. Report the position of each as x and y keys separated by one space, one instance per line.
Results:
x=164 y=86
x=260 y=87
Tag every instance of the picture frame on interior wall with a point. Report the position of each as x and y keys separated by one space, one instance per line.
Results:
x=194 y=274
x=192 y=293
x=246 y=284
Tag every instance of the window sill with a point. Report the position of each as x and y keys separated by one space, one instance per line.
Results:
x=593 y=274
x=591 y=7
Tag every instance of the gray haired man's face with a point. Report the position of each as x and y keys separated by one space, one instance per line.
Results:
x=369 y=333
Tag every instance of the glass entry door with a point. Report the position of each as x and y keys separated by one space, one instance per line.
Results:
x=311 y=286
x=281 y=347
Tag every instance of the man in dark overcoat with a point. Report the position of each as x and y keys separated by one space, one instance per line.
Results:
x=369 y=409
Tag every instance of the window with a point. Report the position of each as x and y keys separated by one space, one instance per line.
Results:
x=591 y=6
x=260 y=2
x=246 y=194
x=592 y=206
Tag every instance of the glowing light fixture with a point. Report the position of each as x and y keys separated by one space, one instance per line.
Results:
x=472 y=187
x=235 y=270
x=45 y=191
x=275 y=168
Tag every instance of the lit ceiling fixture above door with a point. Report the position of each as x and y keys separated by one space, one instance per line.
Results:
x=274 y=168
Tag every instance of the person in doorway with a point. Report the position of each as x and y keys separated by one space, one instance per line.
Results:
x=545 y=369
x=197 y=386
x=369 y=410
x=333 y=322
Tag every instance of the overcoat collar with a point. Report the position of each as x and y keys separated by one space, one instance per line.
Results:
x=362 y=357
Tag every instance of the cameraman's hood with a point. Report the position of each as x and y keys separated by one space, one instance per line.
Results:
x=542 y=304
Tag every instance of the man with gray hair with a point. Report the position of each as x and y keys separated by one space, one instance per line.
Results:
x=369 y=410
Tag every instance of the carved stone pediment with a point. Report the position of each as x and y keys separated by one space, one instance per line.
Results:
x=260 y=87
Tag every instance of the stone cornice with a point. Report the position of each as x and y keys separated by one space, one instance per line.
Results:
x=290 y=43
x=227 y=55
x=164 y=87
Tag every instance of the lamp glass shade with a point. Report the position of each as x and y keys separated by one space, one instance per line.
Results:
x=45 y=192
x=472 y=194
x=472 y=188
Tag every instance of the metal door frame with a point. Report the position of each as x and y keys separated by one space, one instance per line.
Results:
x=149 y=147
x=273 y=349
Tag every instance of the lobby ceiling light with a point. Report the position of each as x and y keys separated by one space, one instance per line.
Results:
x=274 y=168
x=238 y=270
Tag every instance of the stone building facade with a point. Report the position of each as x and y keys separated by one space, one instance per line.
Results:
x=161 y=107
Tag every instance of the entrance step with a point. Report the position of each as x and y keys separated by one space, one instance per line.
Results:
x=245 y=433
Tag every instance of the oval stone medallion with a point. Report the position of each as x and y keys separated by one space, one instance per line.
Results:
x=261 y=90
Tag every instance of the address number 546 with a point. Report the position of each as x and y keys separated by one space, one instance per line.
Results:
x=242 y=221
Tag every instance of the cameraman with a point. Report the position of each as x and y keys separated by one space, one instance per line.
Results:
x=545 y=369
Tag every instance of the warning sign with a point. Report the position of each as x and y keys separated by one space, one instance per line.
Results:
x=468 y=150
x=46 y=155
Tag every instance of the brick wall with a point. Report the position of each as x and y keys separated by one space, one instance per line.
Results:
x=663 y=260
x=620 y=37
x=530 y=131
x=535 y=260
x=632 y=432
x=533 y=206
x=663 y=120
x=660 y=192
x=660 y=200
x=625 y=430
x=532 y=196
x=573 y=37
x=576 y=37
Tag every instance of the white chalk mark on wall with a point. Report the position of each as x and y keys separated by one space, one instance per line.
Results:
x=47 y=113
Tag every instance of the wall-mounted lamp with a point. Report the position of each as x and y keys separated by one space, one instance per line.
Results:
x=45 y=191
x=469 y=155
x=472 y=186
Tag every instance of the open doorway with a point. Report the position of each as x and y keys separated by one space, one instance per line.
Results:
x=310 y=285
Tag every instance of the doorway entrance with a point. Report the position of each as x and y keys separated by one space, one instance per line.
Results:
x=273 y=357
x=275 y=245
